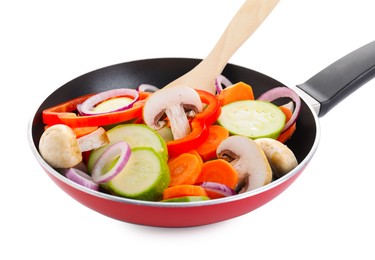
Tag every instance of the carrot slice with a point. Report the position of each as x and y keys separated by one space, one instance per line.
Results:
x=184 y=169
x=193 y=152
x=216 y=135
x=288 y=113
x=219 y=171
x=183 y=190
x=214 y=195
x=287 y=134
x=81 y=131
x=239 y=91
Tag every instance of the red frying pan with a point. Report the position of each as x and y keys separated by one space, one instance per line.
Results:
x=319 y=94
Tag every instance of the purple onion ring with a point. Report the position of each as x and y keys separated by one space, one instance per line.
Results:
x=87 y=107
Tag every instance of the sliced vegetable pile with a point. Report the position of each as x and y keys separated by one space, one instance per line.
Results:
x=173 y=145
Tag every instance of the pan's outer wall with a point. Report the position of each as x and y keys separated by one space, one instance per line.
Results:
x=158 y=216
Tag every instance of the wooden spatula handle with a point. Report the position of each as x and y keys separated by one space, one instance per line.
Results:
x=248 y=18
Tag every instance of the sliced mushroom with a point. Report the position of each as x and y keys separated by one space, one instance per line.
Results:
x=60 y=148
x=93 y=140
x=174 y=103
x=248 y=160
x=280 y=157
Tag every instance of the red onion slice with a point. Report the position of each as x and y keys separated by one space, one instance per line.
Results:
x=81 y=166
x=218 y=188
x=119 y=151
x=81 y=178
x=147 y=88
x=222 y=80
x=87 y=107
x=281 y=92
x=79 y=106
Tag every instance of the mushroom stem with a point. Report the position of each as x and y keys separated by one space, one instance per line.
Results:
x=175 y=102
x=178 y=120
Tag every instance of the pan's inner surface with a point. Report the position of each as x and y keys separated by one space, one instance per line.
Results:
x=159 y=72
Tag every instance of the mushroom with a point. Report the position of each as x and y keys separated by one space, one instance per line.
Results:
x=60 y=148
x=174 y=103
x=280 y=157
x=248 y=160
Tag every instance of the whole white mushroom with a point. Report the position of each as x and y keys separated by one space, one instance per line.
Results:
x=280 y=157
x=59 y=147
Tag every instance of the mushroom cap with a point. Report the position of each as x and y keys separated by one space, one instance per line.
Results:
x=247 y=159
x=280 y=157
x=59 y=147
x=156 y=105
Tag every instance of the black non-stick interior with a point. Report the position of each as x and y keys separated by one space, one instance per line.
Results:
x=160 y=72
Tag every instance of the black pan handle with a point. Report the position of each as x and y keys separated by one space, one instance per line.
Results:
x=334 y=83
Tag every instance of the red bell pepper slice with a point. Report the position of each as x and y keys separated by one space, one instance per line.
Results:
x=199 y=126
x=64 y=114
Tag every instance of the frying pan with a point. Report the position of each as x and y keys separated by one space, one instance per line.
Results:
x=319 y=94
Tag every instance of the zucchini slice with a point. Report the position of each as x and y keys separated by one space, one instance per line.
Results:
x=136 y=135
x=145 y=176
x=252 y=118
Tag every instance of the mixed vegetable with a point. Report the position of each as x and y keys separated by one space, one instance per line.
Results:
x=176 y=144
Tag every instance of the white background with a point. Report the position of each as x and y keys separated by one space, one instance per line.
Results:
x=327 y=213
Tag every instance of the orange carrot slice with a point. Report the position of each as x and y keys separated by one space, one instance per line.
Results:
x=81 y=131
x=216 y=135
x=287 y=134
x=183 y=190
x=219 y=171
x=193 y=152
x=184 y=169
x=214 y=195
x=239 y=91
